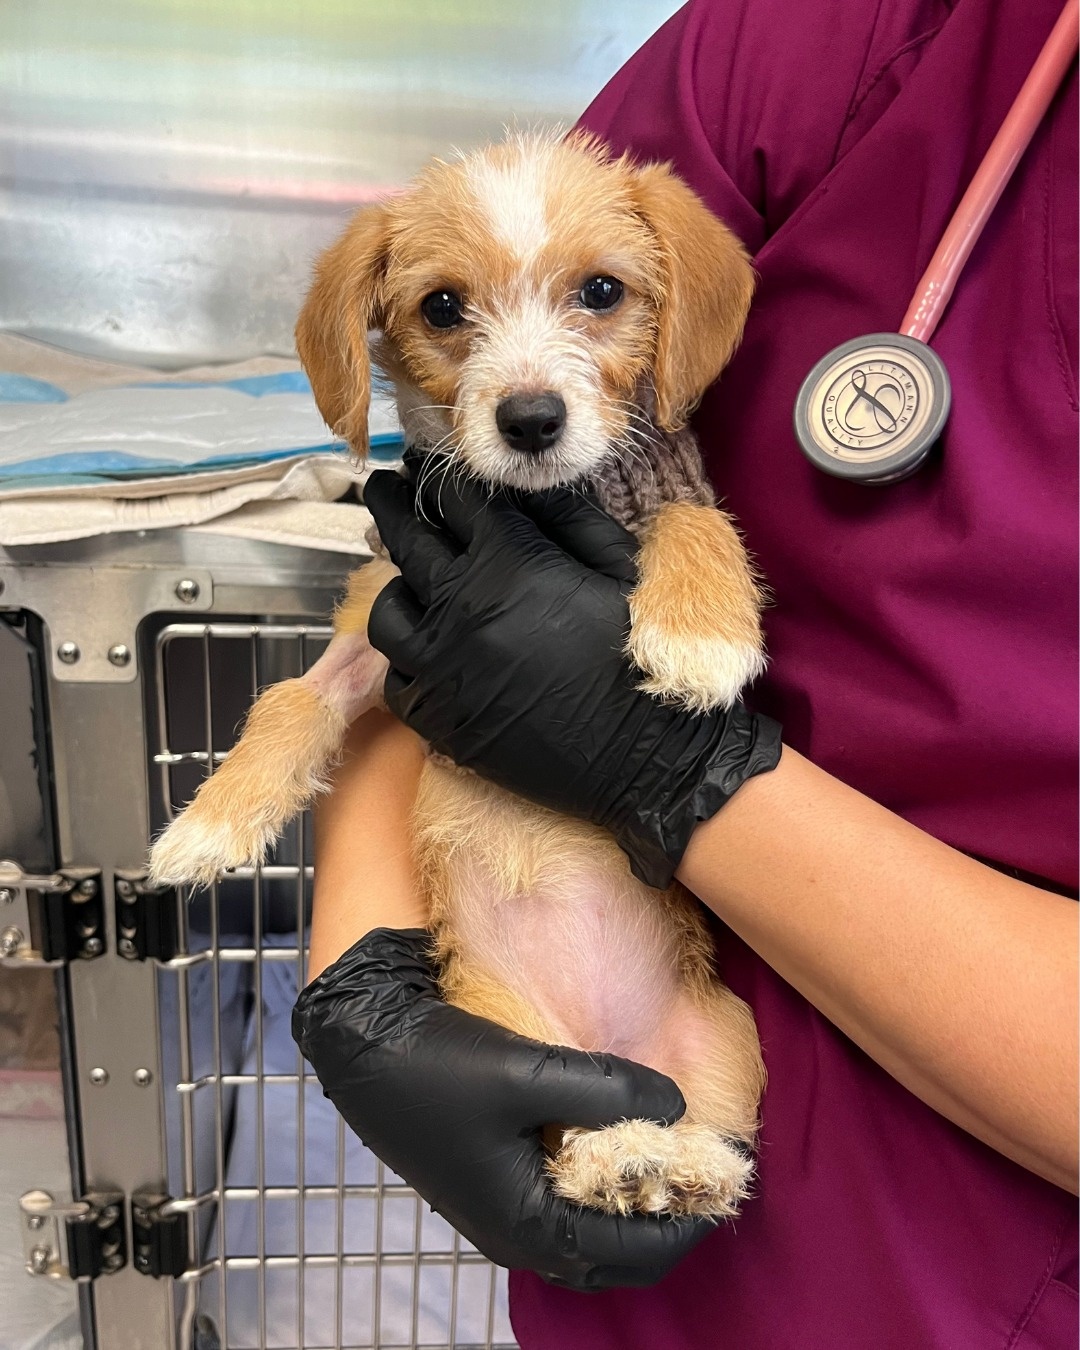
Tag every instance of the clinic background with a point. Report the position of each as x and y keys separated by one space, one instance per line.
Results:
x=170 y=168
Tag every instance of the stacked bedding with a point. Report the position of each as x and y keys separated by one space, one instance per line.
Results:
x=91 y=447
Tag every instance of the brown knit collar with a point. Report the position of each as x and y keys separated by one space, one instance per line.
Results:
x=658 y=467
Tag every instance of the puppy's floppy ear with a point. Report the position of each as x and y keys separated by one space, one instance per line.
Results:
x=708 y=283
x=345 y=300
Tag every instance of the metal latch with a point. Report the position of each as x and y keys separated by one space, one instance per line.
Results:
x=55 y=918
x=76 y=1240
x=147 y=918
x=160 y=1235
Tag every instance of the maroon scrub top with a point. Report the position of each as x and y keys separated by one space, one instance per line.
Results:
x=923 y=640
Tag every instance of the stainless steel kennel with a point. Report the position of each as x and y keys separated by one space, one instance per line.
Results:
x=215 y=1202
x=170 y=172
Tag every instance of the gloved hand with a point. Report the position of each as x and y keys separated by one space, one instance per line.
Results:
x=505 y=636
x=454 y=1104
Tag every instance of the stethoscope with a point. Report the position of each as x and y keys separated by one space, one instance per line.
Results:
x=871 y=410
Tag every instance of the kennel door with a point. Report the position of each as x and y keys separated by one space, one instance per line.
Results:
x=252 y=1217
x=298 y=1237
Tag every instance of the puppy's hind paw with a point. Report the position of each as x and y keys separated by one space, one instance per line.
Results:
x=639 y=1166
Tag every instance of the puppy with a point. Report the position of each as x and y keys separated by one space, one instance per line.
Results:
x=548 y=315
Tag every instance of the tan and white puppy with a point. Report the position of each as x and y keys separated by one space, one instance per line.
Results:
x=548 y=315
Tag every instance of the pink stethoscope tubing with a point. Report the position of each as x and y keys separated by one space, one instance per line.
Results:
x=940 y=278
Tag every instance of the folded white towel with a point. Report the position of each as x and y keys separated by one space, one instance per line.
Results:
x=79 y=513
x=334 y=527
x=90 y=448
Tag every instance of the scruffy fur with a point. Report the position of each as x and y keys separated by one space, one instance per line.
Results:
x=538 y=922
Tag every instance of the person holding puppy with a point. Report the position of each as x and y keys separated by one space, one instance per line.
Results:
x=895 y=892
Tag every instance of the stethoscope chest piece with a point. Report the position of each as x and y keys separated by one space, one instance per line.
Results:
x=871 y=410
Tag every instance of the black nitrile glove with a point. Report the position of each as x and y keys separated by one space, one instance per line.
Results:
x=505 y=636
x=454 y=1104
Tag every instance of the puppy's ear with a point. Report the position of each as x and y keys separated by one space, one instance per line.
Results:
x=345 y=300
x=708 y=282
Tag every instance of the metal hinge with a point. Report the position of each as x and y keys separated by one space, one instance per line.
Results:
x=160 y=1235
x=147 y=918
x=55 y=918
x=75 y=1240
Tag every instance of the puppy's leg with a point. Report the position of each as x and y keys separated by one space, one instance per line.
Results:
x=695 y=613
x=703 y=1163
x=290 y=742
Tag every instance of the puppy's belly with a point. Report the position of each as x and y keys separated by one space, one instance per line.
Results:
x=588 y=953
x=548 y=907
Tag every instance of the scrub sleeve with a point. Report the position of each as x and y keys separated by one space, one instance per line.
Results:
x=923 y=639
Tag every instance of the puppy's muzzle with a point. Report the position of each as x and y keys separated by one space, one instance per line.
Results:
x=531 y=423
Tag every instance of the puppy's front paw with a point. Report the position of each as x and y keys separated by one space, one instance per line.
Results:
x=197 y=848
x=695 y=625
x=291 y=742
x=701 y=673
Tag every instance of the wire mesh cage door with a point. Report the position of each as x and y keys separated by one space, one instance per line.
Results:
x=297 y=1236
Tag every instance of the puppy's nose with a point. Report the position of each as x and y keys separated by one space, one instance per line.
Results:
x=531 y=423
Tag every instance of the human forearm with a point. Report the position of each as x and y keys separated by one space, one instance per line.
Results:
x=959 y=981
x=363 y=866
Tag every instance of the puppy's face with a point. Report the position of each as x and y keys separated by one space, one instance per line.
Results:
x=524 y=295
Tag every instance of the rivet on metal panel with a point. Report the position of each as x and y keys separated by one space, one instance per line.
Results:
x=93 y=946
x=39 y=1260
x=87 y=887
x=119 y=655
x=99 y=1077
x=143 y=1077
x=10 y=941
x=35 y=1221
x=187 y=591
x=7 y=895
x=68 y=652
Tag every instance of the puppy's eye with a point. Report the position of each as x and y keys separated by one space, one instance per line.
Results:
x=601 y=293
x=442 y=309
